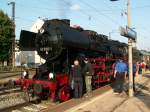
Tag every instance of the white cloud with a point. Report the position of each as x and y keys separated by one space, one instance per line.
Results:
x=75 y=7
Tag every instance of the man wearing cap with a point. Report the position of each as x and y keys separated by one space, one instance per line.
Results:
x=120 y=75
x=88 y=72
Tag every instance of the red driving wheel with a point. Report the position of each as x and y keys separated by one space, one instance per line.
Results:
x=64 y=93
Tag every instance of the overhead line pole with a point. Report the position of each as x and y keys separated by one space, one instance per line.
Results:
x=131 y=93
x=12 y=60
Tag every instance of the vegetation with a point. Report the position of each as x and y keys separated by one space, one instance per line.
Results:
x=6 y=34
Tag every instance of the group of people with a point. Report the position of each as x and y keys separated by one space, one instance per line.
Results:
x=84 y=74
x=121 y=75
x=142 y=67
x=79 y=75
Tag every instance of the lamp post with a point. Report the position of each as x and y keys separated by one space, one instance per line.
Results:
x=13 y=38
x=129 y=50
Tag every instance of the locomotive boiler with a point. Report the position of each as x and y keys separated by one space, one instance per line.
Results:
x=56 y=42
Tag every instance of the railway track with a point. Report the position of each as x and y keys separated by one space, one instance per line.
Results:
x=25 y=106
x=9 y=75
x=11 y=96
x=9 y=90
x=5 y=75
x=11 y=99
x=14 y=100
x=6 y=78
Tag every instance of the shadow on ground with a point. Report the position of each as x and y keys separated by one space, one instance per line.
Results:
x=145 y=98
x=144 y=93
x=147 y=76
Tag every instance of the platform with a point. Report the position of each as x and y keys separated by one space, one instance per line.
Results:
x=104 y=100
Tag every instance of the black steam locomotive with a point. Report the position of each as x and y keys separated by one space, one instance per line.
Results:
x=59 y=44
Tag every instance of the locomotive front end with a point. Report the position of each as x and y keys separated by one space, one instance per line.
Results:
x=49 y=43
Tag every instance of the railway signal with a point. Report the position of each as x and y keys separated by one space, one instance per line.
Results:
x=128 y=32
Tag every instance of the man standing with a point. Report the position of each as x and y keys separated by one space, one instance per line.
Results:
x=88 y=72
x=78 y=80
x=134 y=73
x=143 y=66
x=120 y=75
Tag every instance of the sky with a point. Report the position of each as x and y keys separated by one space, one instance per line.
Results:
x=102 y=16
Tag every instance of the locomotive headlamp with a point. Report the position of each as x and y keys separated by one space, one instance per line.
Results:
x=42 y=30
x=24 y=73
x=51 y=75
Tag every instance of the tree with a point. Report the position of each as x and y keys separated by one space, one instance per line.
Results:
x=6 y=34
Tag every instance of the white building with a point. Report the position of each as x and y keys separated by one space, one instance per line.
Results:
x=30 y=57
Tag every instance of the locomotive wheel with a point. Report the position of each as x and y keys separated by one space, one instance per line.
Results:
x=64 y=93
x=46 y=93
x=37 y=88
x=11 y=83
x=26 y=95
x=33 y=97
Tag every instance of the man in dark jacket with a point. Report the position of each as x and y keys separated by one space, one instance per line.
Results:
x=78 y=80
x=88 y=72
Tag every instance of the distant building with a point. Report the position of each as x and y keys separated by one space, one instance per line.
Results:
x=145 y=56
x=30 y=58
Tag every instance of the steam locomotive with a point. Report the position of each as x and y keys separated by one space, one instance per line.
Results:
x=60 y=44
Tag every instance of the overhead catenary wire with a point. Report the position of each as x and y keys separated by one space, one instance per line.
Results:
x=91 y=16
x=141 y=7
x=56 y=9
x=100 y=13
x=34 y=8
